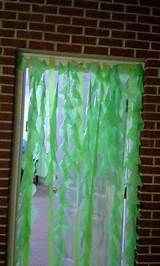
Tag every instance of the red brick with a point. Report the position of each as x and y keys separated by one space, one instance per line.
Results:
x=41 y=45
x=150 y=134
x=151 y=72
x=97 y=14
x=69 y=29
x=7 y=14
x=133 y=2
x=138 y=27
x=5 y=125
x=149 y=169
x=110 y=42
x=111 y=25
x=5 y=163
x=148 y=151
x=142 y=249
x=8 y=71
x=30 y=17
x=148 y=36
x=3 y=221
x=149 y=241
x=60 y=2
x=17 y=6
x=9 y=51
x=5 y=135
x=155 y=29
x=150 y=89
x=149 y=224
x=33 y=1
x=146 y=54
x=29 y=35
x=71 y=11
x=123 y=34
x=14 y=42
x=151 y=99
x=149 y=19
x=112 y=7
x=69 y=48
x=148 y=107
x=150 y=3
x=4 y=60
x=3 y=230
x=5 y=144
x=124 y=17
x=8 y=89
x=121 y=52
x=155 y=249
x=149 y=258
x=5 y=154
x=3 y=248
x=86 y=4
x=58 y=19
x=11 y=24
x=157 y=143
x=7 y=117
x=84 y=22
x=138 y=10
x=96 y=32
x=156 y=197
x=83 y=40
x=145 y=215
x=150 y=188
x=147 y=142
x=136 y=44
x=156 y=11
x=4 y=183
x=153 y=63
x=96 y=50
x=155 y=46
x=151 y=116
x=153 y=81
x=42 y=27
x=146 y=161
x=44 y=9
x=6 y=80
x=56 y=37
x=7 y=33
x=143 y=232
x=144 y=197
x=157 y=179
x=3 y=258
x=147 y=179
x=156 y=215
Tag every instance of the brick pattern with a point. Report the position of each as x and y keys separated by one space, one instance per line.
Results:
x=122 y=28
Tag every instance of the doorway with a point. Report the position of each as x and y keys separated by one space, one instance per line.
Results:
x=76 y=162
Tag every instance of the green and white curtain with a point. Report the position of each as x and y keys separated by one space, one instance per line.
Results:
x=83 y=127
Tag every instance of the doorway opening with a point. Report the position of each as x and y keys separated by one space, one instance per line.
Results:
x=78 y=162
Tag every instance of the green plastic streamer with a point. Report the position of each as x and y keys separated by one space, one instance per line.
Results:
x=26 y=185
x=51 y=175
x=100 y=141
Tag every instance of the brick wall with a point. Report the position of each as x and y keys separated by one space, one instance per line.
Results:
x=128 y=28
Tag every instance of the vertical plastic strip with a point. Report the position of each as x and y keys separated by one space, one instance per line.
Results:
x=135 y=125
x=26 y=185
x=51 y=175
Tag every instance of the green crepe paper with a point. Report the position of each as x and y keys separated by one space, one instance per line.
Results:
x=99 y=141
x=26 y=185
x=51 y=175
x=132 y=159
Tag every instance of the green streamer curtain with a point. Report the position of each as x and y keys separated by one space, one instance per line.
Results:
x=100 y=137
